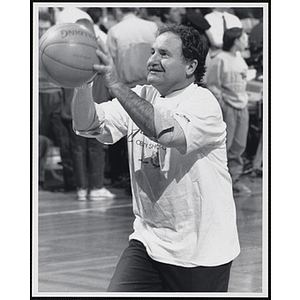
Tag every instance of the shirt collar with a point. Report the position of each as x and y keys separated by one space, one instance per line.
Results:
x=176 y=93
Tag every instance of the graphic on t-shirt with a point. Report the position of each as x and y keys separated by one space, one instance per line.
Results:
x=147 y=170
x=150 y=151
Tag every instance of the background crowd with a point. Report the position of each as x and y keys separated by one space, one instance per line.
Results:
x=87 y=165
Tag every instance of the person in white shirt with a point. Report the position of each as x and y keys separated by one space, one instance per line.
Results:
x=172 y=15
x=220 y=20
x=129 y=43
x=184 y=233
x=96 y=14
x=71 y=14
x=227 y=80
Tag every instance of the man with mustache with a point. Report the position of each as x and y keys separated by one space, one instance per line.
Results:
x=184 y=234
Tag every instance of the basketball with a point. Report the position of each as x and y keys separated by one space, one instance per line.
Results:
x=67 y=53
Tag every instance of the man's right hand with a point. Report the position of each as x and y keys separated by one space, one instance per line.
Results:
x=106 y=67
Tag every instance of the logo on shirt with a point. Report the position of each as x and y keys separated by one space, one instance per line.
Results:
x=150 y=155
x=154 y=160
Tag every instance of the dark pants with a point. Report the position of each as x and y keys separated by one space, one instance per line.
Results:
x=88 y=158
x=49 y=108
x=88 y=162
x=137 y=272
x=44 y=145
x=118 y=160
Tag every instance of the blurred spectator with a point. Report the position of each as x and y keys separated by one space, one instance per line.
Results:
x=220 y=20
x=44 y=145
x=195 y=18
x=50 y=101
x=227 y=80
x=45 y=22
x=108 y=19
x=71 y=14
x=96 y=14
x=256 y=48
x=249 y=16
x=151 y=14
x=87 y=155
x=129 y=43
x=172 y=15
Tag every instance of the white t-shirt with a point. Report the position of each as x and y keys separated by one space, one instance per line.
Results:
x=226 y=78
x=129 y=43
x=182 y=198
x=215 y=19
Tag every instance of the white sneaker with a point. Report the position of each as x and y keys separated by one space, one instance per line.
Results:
x=82 y=194
x=100 y=194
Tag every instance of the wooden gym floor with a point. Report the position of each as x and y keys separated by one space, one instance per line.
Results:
x=78 y=244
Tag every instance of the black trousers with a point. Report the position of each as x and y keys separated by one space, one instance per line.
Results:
x=137 y=272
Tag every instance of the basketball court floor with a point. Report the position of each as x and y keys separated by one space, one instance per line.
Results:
x=78 y=244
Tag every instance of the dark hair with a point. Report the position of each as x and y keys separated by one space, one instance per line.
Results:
x=154 y=11
x=45 y=16
x=95 y=13
x=194 y=46
x=230 y=35
x=164 y=11
x=126 y=10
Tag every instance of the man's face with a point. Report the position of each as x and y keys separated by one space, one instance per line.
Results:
x=166 y=65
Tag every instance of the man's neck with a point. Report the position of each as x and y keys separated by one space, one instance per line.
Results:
x=172 y=90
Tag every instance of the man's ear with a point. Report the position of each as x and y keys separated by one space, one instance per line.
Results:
x=191 y=67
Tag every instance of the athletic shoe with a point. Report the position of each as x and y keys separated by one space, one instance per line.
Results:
x=100 y=194
x=240 y=188
x=82 y=194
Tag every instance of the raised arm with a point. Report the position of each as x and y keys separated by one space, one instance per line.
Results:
x=140 y=110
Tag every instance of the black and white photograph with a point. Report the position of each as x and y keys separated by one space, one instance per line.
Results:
x=150 y=149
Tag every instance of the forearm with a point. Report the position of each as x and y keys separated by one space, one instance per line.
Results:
x=140 y=110
x=83 y=110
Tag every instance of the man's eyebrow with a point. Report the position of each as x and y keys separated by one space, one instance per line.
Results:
x=164 y=50
x=160 y=50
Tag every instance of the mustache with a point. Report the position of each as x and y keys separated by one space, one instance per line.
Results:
x=155 y=67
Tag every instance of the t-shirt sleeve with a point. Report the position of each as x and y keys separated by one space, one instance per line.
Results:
x=168 y=130
x=201 y=123
x=194 y=124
